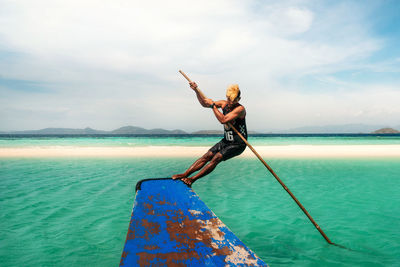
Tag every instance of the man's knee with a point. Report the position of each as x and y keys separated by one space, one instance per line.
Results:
x=208 y=156
x=217 y=158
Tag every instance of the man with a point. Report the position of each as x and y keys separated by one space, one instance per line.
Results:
x=231 y=145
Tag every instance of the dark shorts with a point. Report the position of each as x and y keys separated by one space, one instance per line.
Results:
x=227 y=149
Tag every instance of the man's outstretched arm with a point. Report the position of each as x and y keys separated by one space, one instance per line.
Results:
x=205 y=102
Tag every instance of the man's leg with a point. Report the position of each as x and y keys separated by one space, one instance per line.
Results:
x=206 y=170
x=197 y=165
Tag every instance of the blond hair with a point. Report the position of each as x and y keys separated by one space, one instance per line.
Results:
x=232 y=92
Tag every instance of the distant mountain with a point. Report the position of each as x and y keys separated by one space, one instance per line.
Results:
x=385 y=131
x=126 y=130
x=162 y=131
x=219 y=132
x=347 y=128
x=139 y=130
x=129 y=130
x=59 y=131
x=90 y=131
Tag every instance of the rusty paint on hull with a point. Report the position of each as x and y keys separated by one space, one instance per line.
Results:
x=171 y=226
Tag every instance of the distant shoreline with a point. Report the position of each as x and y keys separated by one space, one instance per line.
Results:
x=286 y=151
x=135 y=130
x=204 y=135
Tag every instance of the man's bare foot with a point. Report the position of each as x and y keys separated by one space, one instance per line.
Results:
x=188 y=181
x=178 y=176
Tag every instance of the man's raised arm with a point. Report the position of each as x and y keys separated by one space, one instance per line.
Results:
x=205 y=102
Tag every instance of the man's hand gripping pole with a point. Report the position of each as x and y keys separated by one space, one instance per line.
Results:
x=197 y=89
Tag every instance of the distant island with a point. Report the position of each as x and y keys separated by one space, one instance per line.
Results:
x=126 y=130
x=135 y=130
x=209 y=132
x=337 y=129
x=386 y=131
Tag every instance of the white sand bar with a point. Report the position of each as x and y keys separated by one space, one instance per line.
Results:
x=297 y=151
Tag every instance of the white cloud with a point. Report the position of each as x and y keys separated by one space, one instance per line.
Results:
x=290 y=20
x=137 y=35
x=368 y=104
x=96 y=55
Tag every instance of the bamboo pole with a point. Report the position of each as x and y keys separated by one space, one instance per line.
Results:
x=284 y=186
x=272 y=172
x=188 y=79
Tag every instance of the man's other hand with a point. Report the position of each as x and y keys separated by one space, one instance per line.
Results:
x=193 y=85
x=208 y=102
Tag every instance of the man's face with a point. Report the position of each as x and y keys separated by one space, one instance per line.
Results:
x=230 y=103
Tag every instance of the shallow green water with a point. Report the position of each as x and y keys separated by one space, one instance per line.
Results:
x=75 y=212
x=193 y=141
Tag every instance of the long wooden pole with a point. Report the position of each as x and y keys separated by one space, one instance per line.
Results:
x=284 y=186
x=198 y=90
x=272 y=172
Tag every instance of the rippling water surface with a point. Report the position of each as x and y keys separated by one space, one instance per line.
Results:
x=75 y=212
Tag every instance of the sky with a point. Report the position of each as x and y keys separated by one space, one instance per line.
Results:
x=106 y=64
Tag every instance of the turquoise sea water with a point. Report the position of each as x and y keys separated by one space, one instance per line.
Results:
x=76 y=211
x=194 y=141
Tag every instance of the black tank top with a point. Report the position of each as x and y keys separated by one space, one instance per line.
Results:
x=240 y=124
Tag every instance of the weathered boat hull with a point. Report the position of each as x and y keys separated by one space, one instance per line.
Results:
x=171 y=226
